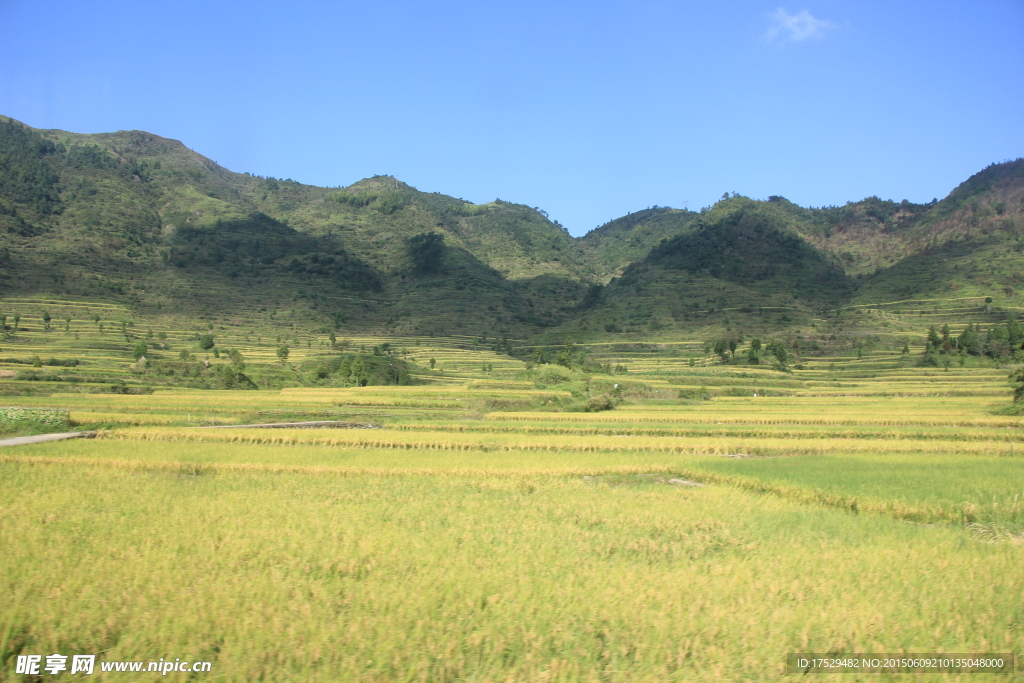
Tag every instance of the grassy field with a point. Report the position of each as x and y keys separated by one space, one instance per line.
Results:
x=483 y=527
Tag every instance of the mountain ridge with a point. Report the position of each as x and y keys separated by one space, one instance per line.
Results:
x=149 y=222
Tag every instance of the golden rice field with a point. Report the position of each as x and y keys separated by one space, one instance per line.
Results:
x=457 y=542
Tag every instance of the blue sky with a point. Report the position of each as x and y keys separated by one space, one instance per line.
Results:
x=588 y=110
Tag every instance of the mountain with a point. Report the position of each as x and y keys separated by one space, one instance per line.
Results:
x=144 y=221
x=772 y=267
x=620 y=242
x=740 y=255
x=970 y=244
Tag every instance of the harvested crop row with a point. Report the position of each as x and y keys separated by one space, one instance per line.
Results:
x=447 y=441
x=727 y=417
x=737 y=431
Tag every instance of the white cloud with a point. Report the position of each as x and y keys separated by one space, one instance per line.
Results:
x=797 y=27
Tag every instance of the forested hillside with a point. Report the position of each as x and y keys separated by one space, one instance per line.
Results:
x=145 y=222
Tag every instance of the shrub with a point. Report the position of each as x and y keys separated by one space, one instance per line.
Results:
x=552 y=374
x=697 y=394
x=600 y=403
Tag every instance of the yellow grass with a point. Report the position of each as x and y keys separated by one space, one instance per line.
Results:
x=454 y=544
x=409 y=578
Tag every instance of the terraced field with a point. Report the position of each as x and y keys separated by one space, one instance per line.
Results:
x=481 y=526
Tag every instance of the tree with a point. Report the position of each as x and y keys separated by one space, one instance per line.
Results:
x=17 y=319
x=227 y=376
x=970 y=341
x=778 y=349
x=566 y=356
x=237 y=363
x=433 y=362
x=997 y=342
x=206 y=342
x=357 y=373
x=906 y=347
x=139 y=350
x=1018 y=390
x=46 y=320
x=427 y=252
x=933 y=338
x=282 y=353
x=231 y=378
x=1015 y=332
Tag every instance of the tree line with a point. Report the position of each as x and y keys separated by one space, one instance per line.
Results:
x=1004 y=342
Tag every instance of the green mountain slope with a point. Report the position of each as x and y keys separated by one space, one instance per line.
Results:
x=860 y=237
x=743 y=242
x=618 y=243
x=770 y=266
x=736 y=260
x=969 y=244
x=149 y=222
x=871 y=235
x=142 y=221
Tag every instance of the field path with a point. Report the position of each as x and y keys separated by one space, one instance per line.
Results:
x=40 y=438
x=298 y=425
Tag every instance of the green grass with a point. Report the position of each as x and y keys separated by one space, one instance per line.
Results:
x=921 y=487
